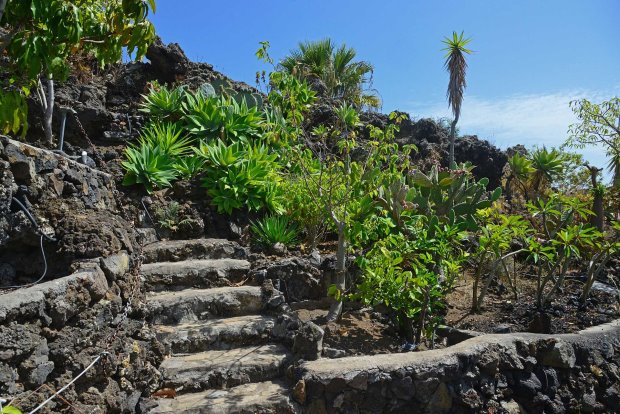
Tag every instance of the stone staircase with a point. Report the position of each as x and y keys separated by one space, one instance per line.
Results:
x=224 y=358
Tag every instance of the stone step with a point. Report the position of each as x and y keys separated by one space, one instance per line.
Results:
x=224 y=368
x=191 y=305
x=225 y=333
x=267 y=397
x=178 y=250
x=203 y=273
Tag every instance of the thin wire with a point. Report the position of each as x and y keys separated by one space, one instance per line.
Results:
x=44 y=403
x=39 y=279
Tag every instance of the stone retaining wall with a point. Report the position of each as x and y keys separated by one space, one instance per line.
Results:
x=52 y=331
x=512 y=373
x=70 y=201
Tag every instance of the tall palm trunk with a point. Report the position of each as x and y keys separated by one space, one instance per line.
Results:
x=451 y=162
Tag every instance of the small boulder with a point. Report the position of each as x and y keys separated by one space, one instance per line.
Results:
x=308 y=342
x=557 y=354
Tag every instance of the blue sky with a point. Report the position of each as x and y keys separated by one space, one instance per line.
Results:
x=532 y=56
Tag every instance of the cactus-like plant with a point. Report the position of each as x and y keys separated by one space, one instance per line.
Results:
x=452 y=196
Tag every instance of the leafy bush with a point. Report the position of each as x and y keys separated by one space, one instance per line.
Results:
x=239 y=175
x=300 y=206
x=495 y=238
x=560 y=237
x=274 y=229
x=13 y=113
x=412 y=274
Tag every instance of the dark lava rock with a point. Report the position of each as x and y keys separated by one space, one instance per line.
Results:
x=308 y=342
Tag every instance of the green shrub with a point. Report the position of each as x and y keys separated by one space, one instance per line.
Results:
x=300 y=206
x=411 y=275
x=274 y=229
x=240 y=175
x=559 y=238
x=168 y=216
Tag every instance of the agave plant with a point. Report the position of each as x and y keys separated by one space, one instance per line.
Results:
x=240 y=175
x=164 y=104
x=148 y=166
x=167 y=136
x=189 y=167
x=210 y=117
x=274 y=229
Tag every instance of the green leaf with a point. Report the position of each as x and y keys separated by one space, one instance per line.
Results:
x=421 y=179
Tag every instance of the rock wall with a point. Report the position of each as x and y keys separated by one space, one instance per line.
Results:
x=517 y=373
x=52 y=331
x=432 y=140
x=71 y=202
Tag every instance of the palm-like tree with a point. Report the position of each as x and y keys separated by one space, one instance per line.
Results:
x=614 y=167
x=547 y=164
x=456 y=65
x=520 y=171
x=335 y=68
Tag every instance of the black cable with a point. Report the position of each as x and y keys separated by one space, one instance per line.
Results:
x=42 y=234
x=32 y=220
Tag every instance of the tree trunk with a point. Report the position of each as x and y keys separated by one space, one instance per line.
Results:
x=336 y=307
x=48 y=111
x=452 y=138
x=2 y=7
x=422 y=316
x=598 y=219
x=406 y=327
x=475 y=306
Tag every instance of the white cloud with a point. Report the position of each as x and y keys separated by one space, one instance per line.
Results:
x=530 y=120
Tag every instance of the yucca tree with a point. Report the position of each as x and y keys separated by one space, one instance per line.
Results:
x=547 y=165
x=456 y=65
x=335 y=68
